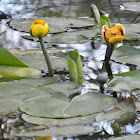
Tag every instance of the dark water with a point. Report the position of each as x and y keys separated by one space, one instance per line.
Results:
x=67 y=8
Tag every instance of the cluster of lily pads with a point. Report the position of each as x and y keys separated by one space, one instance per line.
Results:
x=46 y=100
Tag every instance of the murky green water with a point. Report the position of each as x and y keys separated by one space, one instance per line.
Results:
x=68 y=8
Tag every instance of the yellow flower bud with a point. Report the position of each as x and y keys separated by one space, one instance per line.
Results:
x=113 y=34
x=39 y=28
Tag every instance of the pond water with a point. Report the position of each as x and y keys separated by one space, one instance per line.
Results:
x=10 y=39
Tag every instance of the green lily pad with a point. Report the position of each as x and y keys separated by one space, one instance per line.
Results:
x=78 y=36
x=21 y=91
x=31 y=87
x=127 y=55
x=129 y=137
x=134 y=6
x=59 y=106
x=126 y=106
x=127 y=81
x=36 y=60
x=38 y=81
x=67 y=87
x=56 y=24
x=58 y=122
x=10 y=66
x=132 y=31
x=61 y=131
x=26 y=88
x=13 y=71
x=9 y=105
x=108 y=116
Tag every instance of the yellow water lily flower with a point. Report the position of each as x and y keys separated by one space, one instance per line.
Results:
x=39 y=28
x=113 y=34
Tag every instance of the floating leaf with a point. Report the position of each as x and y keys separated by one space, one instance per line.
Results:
x=78 y=36
x=59 y=106
x=108 y=116
x=75 y=67
x=28 y=88
x=58 y=122
x=129 y=137
x=127 y=105
x=66 y=87
x=127 y=81
x=134 y=6
x=127 y=118
x=13 y=71
x=8 y=59
x=56 y=24
x=126 y=110
x=22 y=91
x=38 y=81
x=36 y=60
x=61 y=131
x=9 y=105
x=127 y=55
x=132 y=31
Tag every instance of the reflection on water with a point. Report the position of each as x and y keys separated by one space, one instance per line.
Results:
x=68 y=8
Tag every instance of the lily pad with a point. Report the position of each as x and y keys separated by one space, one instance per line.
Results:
x=58 y=122
x=21 y=91
x=129 y=137
x=56 y=24
x=132 y=31
x=36 y=60
x=59 y=106
x=126 y=108
x=127 y=81
x=108 y=116
x=133 y=6
x=38 y=81
x=10 y=66
x=9 y=105
x=61 y=131
x=67 y=87
x=13 y=71
x=78 y=36
x=127 y=55
x=28 y=88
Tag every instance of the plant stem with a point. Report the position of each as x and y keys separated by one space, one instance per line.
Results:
x=109 y=52
x=50 y=69
x=108 y=69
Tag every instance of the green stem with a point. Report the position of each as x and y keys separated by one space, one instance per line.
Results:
x=50 y=69
x=109 y=52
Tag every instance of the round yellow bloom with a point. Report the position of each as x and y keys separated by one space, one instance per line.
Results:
x=113 y=34
x=39 y=28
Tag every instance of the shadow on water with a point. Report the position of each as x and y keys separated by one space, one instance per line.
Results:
x=10 y=39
